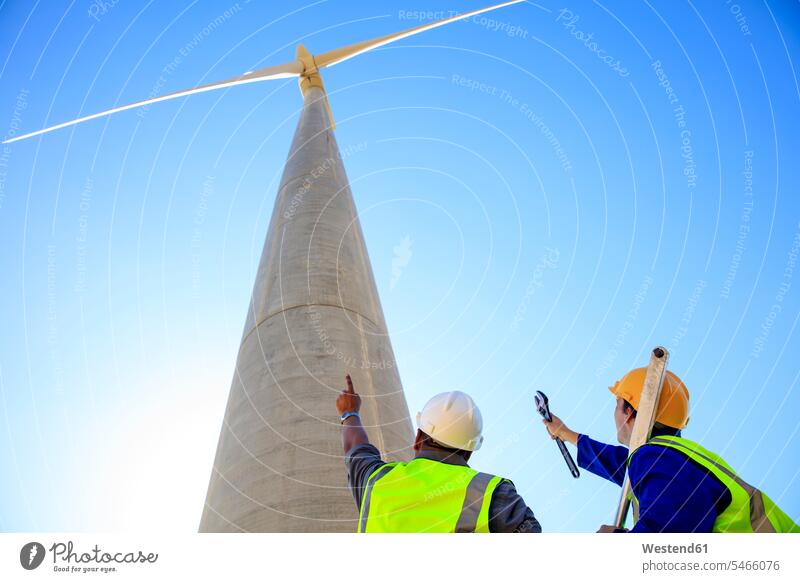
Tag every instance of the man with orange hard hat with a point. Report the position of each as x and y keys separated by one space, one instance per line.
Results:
x=677 y=485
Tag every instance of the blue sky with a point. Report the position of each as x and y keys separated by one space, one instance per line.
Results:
x=546 y=194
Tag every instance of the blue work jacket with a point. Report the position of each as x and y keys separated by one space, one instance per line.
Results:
x=675 y=494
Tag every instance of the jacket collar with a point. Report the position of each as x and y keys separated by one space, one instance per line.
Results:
x=665 y=431
x=441 y=456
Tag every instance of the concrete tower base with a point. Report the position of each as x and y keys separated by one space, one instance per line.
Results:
x=314 y=315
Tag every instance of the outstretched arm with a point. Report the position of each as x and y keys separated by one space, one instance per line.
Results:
x=353 y=433
x=606 y=461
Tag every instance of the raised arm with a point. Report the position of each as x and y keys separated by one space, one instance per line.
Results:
x=606 y=461
x=353 y=433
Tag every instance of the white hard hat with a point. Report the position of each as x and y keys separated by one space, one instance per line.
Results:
x=453 y=420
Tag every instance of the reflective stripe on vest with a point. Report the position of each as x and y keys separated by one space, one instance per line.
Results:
x=426 y=496
x=473 y=502
x=364 y=513
x=746 y=512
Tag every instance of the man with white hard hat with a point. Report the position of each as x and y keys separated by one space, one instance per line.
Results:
x=437 y=491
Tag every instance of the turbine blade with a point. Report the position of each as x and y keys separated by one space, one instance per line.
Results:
x=335 y=56
x=291 y=69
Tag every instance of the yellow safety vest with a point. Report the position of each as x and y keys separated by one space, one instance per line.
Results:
x=424 y=495
x=750 y=509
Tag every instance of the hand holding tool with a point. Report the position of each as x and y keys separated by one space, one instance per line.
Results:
x=543 y=407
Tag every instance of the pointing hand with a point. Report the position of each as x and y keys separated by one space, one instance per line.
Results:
x=348 y=400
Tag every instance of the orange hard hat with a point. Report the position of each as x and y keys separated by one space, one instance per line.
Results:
x=673 y=406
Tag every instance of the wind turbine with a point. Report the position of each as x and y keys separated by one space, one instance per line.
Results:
x=314 y=314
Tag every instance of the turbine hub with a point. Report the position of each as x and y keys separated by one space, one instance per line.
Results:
x=310 y=76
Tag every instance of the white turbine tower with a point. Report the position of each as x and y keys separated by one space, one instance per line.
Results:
x=314 y=314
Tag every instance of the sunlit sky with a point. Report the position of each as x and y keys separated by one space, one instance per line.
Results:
x=546 y=194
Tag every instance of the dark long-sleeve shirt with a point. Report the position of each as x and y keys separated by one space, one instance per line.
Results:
x=675 y=494
x=508 y=512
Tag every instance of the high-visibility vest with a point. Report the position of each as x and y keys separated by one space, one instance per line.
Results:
x=426 y=496
x=750 y=509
